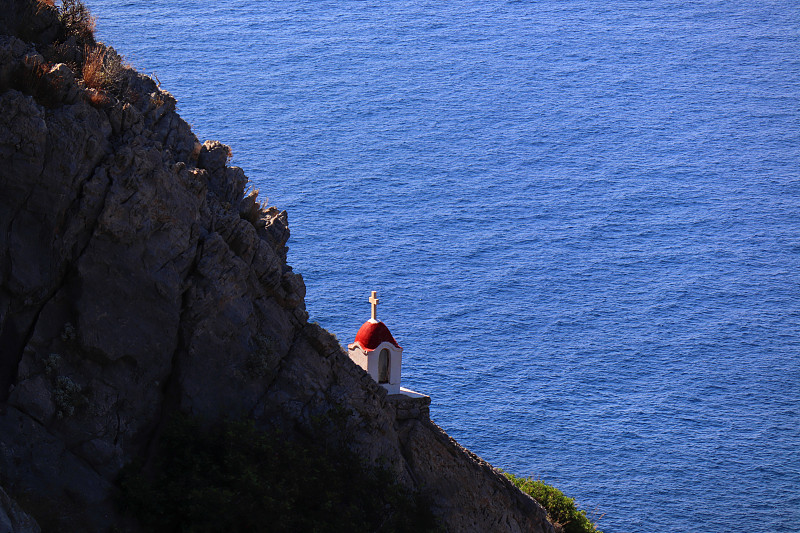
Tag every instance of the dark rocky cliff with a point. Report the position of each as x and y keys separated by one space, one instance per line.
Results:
x=139 y=278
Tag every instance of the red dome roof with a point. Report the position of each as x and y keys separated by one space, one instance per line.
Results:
x=372 y=334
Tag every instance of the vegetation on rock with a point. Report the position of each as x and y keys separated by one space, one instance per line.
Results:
x=76 y=18
x=234 y=477
x=560 y=508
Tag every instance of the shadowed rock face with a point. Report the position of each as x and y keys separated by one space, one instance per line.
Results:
x=138 y=278
x=13 y=519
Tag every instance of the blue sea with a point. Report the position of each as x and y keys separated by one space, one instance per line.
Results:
x=582 y=220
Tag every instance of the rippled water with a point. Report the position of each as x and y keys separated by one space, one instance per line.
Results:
x=582 y=220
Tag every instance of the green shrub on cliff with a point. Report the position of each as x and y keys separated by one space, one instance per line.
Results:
x=560 y=509
x=234 y=477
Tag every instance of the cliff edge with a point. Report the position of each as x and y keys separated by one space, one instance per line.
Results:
x=139 y=278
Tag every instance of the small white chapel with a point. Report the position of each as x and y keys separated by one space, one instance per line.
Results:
x=376 y=351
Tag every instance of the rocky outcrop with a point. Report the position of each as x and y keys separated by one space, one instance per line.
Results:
x=139 y=277
x=407 y=407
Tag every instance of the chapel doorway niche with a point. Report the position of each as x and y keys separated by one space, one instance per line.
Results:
x=384 y=364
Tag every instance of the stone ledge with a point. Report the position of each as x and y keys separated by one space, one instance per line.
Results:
x=409 y=404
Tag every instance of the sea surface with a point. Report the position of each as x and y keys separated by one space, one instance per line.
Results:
x=582 y=220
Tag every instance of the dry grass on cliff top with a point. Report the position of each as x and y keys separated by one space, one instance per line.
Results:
x=75 y=16
x=93 y=71
x=77 y=19
x=102 y=68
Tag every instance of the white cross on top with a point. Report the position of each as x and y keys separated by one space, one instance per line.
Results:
x=374 y=301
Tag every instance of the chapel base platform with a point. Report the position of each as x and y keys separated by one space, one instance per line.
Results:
x=410 y=404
